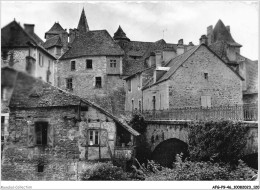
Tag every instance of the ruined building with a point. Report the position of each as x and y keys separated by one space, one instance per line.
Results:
x=54 y=135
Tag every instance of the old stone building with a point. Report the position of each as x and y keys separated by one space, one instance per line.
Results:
x=23 y=50
x=196 y=78
x=92 y=67
x=221 y=41
x=54 y=135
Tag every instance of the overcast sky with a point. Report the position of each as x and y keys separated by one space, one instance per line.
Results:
x=145 y=21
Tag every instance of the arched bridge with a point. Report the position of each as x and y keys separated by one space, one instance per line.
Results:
x=166 y=138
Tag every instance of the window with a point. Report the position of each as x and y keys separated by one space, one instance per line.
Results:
x=98 y=82
x=93 y=137
x=140 y=105
x=129 y=85
x=4 y=93
x=2 y=124
x=2 y=119
x=132 y=104
x=73 y=65
x=89 y=64
x=41 y=133
x=69 y=83
x=112 y=63
x=206 y=76
x=154 y=101
x=40 y=59
x=206 y=101
x=40 y=167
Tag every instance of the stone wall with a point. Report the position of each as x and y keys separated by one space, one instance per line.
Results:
x=161 y=93
x=18 y=62
x=135 y=94
x=84 y=79
x=69 y=147
x=188 y=83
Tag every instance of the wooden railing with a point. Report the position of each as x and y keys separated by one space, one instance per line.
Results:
x=245 y=112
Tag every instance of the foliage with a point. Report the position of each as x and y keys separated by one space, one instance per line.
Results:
x=142 y=147
x=221 y=141
x=106 y=172
x=138 y=122
x=197 y=171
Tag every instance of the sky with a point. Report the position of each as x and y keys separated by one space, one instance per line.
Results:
x=144 y=21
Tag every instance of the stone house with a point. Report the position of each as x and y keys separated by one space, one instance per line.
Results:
x=196 y=78
x=23 y=50
x=54 y=135
x=221 y=41
x=92 y=67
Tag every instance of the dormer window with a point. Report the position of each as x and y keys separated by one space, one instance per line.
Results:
x=73 y=65
x=113 y=63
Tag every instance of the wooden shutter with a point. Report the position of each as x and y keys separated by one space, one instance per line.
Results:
x=31 y=135
x=208 y=101
x=50 y=137
x=103 y=137
x=204 y=101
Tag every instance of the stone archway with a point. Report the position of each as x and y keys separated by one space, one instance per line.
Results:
x=166 y=151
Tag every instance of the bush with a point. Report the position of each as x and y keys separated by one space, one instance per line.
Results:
x=197 y=171
x=217 y=141
x=106 y=172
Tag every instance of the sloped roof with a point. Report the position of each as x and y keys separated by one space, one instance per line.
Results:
x=93 y=43
x=220 y=49
x=15 y=36
x=55 y=29
x=220 y=33
x=120 y=34
x=83 y=23
x=53 y=41
x=176 y=62
x=30 y=92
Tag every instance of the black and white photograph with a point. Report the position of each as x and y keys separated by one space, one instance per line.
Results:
x=129 y=94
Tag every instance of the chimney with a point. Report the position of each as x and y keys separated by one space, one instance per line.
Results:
x=29 y=28
x=204 y=40
x=210 y=34
x=228 y=28
x=158 y=58
x=180 y=47
x=190 y=45
x=72 y=35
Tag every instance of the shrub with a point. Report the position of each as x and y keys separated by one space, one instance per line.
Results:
x=217 y=141
x=198 y=171
x=106 y=172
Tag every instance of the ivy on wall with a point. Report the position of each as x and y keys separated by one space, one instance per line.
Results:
x=218 y=141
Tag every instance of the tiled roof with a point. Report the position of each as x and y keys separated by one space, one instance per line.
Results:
x=95 y=42
x=220 y=33
x=220 y=49
x=55 y=29
x=30 y=92
x=54 y=41
x=132 y=66
x=120 y=34
x=83 y=23
x=14 y=35
x=176 y=62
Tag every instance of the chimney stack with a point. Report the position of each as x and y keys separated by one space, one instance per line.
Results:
x=180 y=47
x=29 y=28
x=158 y=58
x=210 y=34
x=204 y=40
x=190 y=45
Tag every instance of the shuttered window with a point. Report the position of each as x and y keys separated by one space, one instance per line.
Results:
x=206 y=101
